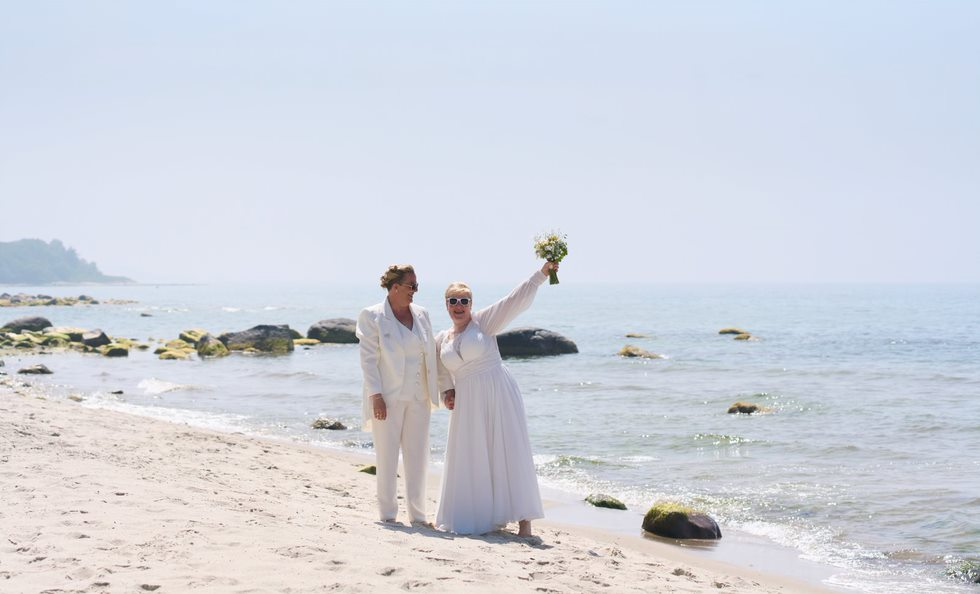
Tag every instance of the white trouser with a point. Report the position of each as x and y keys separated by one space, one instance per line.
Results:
x=407 y=425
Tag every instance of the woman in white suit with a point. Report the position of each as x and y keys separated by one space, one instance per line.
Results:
x=399 y=363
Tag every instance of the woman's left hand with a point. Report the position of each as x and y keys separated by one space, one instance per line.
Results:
x=548 y=267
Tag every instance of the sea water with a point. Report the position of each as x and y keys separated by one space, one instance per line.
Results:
x=867 y=461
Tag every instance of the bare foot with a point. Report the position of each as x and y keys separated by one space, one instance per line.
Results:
x=524 y=528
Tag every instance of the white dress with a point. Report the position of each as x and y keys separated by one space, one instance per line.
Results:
x=489 y=477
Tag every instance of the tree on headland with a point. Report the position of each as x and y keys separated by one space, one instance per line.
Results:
x=35 y=262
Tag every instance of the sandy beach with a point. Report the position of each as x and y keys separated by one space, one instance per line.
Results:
x=101 y=501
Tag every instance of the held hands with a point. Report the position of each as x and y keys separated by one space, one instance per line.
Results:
x=380 y=410
x=548 y=267
x=449 y=397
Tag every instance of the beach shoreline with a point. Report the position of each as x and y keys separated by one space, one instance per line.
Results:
x=104 y=501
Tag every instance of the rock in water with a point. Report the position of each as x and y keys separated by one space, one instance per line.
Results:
x=114 y=350
x=677 y=521
x=32 y=323
x=35 y=370
x=95 y=338
x=337 y=330
x=732 y=331
x=601 y=500
x=266 y=338
x=533 y=342
x=745 y=408
x=192 y=336
x=331 y=424
x=209 y=346
x=635 y=351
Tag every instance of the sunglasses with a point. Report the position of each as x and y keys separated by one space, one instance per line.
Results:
x=412 y=286
x=459 y=300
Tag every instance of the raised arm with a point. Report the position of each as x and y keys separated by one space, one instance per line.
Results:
x=494 y=318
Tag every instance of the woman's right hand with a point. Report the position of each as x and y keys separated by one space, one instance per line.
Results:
x=380 y=410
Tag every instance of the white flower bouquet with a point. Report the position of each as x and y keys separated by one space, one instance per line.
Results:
x=552 y=247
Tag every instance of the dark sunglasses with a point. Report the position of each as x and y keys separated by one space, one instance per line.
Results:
x=413 y=286
x=459 y=300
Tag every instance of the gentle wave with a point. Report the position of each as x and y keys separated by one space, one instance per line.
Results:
x=155 y=386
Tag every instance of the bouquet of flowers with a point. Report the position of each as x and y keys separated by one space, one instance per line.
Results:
x=552 y=247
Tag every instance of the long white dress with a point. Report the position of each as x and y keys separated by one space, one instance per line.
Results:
x=489 y=477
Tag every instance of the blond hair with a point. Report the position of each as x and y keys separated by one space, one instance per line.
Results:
x=395 y=274
x=459 y=287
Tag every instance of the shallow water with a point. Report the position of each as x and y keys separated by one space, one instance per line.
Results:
x=869 y=461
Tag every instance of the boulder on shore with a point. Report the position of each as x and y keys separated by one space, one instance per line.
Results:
x=32 y=323
x=602 y=500
x=369 y=469
x=336 y=330
x=533 y=342
x=35 y=370
x=266 y=338
x=673 y=520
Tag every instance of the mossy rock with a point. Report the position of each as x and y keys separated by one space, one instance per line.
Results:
x=267 y=338
x=160 y=350
x=602 y=500
x=732 y=331
x=331 y=424
x=305 y=341
x=210 y=347
x=56 y=336
x=73 y=334
x=369 y=469
x=114 y=350
x=636 y=335
x=968 y=571
x=193 y=335
x=55 y=342
x=635 y=351
x=179 y=345
x=143 y=347
x=174 y=355
x=743 y=336
x=674 y=520
x=746 y=408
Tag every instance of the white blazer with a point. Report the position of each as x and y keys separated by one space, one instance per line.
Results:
x=382 y=359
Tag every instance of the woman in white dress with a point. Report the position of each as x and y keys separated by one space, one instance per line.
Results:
x=489 y=477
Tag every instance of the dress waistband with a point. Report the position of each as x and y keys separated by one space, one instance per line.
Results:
x=470 y=369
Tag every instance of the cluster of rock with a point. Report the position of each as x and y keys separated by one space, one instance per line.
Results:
x=23 y=299
x=35 y=332
x=667 y=519
x=276 y=339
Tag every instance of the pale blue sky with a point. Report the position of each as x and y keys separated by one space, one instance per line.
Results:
x=673 y=141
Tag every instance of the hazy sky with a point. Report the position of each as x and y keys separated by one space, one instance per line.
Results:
x=672 y=141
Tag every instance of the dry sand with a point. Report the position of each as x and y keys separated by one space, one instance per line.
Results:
x=101 y=501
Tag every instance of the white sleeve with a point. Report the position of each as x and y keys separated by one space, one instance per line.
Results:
x=370 y=345
x=494 y=318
